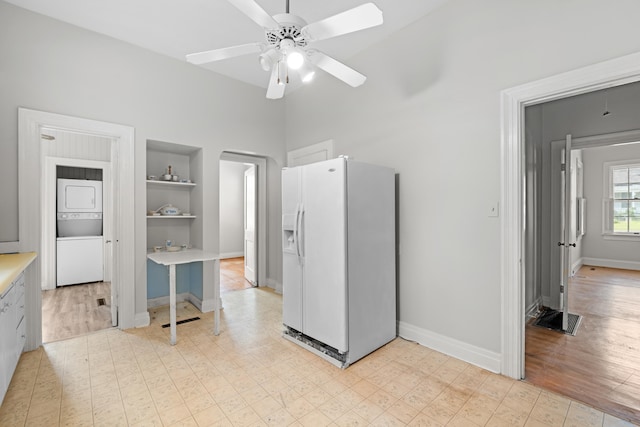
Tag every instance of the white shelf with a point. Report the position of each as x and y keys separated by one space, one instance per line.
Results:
x=171 y=216
x=171 y=183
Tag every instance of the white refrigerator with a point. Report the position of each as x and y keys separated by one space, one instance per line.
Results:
x=339 y=258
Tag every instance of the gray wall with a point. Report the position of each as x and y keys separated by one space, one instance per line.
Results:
x=431 y=109
x=51 y=66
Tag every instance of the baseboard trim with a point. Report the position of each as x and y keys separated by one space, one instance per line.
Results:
x=141 y=320
x=205 y=306
x=160 y=301
x=226 y=255
x=481 y=357
x=611 y=263
x=275 y=285
x=576 y=266
x=533 y=308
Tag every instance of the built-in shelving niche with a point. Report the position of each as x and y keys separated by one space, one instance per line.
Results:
x=186 y=163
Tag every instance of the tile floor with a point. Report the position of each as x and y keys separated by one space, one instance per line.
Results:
x=250 y=376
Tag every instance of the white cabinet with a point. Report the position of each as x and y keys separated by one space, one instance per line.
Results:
x=12 y=331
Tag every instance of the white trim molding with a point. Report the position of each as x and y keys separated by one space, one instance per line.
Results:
x=603 y=75
x=611 y=263
x=481 y=357
x=310 y=154
x=142 y=320
x=30 y=177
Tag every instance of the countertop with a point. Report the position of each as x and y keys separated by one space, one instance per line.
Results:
x=11 y=265
x=181 y=257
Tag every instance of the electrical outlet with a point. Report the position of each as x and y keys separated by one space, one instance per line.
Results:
x=494 y=210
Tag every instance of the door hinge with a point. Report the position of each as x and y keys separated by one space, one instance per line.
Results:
x=563 y=167
x=562 y=289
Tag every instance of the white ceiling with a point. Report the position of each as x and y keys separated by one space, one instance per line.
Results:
x=178 y=27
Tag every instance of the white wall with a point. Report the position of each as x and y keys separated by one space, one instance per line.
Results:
x=431 y=109
x=52 y=66
x=596 y=249
x=231 y=209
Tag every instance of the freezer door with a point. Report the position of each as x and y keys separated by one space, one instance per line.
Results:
x=291 y=260
x=323 y=242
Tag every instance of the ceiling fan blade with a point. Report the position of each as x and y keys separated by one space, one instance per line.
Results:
x=224 y=53
x=255 y=12
x=337 y=69
x=359 y=18
x=275 y=89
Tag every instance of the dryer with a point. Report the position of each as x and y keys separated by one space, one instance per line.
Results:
x=80 y=254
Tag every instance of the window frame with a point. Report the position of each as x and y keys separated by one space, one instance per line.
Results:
x=608 y=198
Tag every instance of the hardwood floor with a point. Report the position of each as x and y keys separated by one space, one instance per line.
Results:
x=72 y=311
x=232 y=275
x=600 y=366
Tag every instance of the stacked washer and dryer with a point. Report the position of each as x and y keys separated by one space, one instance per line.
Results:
x=79 y=242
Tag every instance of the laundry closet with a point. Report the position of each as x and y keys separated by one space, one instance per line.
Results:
x=79 y=226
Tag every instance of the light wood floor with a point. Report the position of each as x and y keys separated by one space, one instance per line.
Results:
x=600 y=366
x=72 y=311
x=232 y=275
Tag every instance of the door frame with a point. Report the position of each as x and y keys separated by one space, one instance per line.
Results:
x=261 y=188
x=599 y=76
x=31 y=176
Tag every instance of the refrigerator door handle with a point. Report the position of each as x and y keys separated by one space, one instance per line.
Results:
x=295 y=232
x=300 y=235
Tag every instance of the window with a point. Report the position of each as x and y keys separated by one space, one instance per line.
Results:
x=623 y=204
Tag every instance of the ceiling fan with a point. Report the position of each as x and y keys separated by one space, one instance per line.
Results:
x=287 y=44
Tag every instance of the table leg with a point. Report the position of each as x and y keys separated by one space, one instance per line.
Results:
x=216 y=298
x=172 y=302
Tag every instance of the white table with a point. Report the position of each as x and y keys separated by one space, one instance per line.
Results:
x=187 y=256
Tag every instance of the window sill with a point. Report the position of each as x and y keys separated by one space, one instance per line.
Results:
x=628 y=237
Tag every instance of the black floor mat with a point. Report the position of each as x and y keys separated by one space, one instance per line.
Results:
x=552 y=319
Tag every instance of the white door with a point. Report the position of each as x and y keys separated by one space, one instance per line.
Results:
x=250 y=207
x=568 y=238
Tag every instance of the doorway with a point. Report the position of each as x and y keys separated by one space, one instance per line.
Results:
x=597 y=364
x=604 y=75
x=31 y=158
x=78 y=292
x=237 y=225
x=607 y=74
x=242 y=220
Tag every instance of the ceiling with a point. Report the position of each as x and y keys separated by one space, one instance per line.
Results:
x=176 y=28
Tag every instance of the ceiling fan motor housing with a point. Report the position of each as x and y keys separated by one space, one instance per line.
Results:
x=290 y=28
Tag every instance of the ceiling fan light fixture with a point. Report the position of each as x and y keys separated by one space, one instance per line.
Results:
x=295 y=59
x=268 y=59
x=306 y=73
